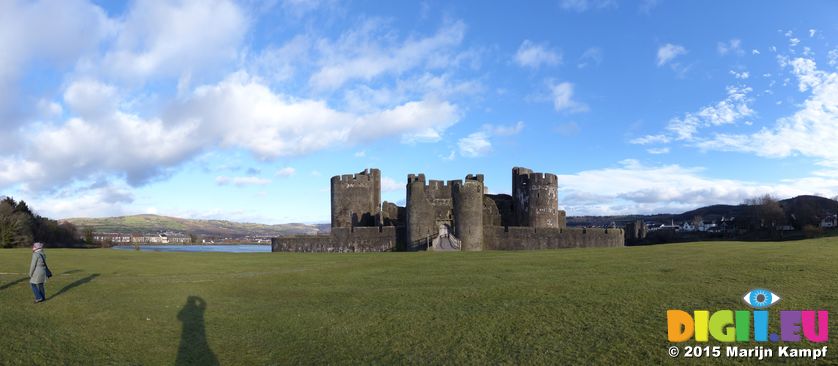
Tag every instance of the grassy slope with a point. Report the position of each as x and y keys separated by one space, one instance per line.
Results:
x=154 y=223
x=603 y=306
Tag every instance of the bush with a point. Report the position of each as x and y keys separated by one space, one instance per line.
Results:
x=812 y=231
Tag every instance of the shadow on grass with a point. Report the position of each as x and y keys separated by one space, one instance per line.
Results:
x=194 y=349
x=75 y=284
x=71 y=271
x=15 y=282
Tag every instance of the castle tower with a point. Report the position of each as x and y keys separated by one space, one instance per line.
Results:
x=543 y=201
x=468 y=212
x=520 y=195
x=419 y=211
x=356 y=199
x=535 y=200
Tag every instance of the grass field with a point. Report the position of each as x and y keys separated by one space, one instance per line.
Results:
x=573 y=306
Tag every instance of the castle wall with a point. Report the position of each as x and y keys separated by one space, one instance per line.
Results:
x=392 y=214
x=356 y=199
x=341 y=240
x=498 y=210
x=527 y=238
x=428 y=206
x=635 y=231
x=468 y=212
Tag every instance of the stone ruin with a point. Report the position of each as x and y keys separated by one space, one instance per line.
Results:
x=447 y=216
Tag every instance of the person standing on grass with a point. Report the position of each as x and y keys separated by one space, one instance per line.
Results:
x=38 y=272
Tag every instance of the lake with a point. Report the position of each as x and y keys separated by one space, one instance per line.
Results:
x=244 y=248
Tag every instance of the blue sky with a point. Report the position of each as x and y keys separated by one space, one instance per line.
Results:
x=243 y=110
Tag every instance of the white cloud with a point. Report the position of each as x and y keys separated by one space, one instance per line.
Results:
x=51 y=33
x=275 y=125
x=562 y=95
x=651 y=139
x=100 y=199
x=669 y=52
x=534 y=55
x=358 y=55
x=501 y=130
x=734 y=108
x=479 y=143
x=833 y=58
x=475 y=145
x=733 y=46
x=286 y=172
x=91 y=99
x=584 y=5
x=793 y=41
x=730 y=110
x=390 y=185
x=591 y=56
x=740 y=75
x=242 y=181
x=658 y=150
x=809 y=132
x=280 y=64
x=172 y=39
x=755 y=51
x=364 y=98
x=104 y=139
x=360 y=153
x=637 y=188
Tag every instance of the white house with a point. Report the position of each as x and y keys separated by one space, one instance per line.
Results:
x=830 y=221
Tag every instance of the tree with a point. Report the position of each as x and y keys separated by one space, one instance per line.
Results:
x=15 y=230
x=88 y=234
x=19 y=226
x=765 y=212
x=697 y=221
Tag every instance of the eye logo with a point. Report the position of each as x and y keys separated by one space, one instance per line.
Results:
x=760 y=298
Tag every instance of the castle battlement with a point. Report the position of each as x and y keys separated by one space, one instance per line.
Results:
x=438 y=184
x=468 y=185
x=413 y=178
x=543 y=179
x=477 y=177
x=368 y=175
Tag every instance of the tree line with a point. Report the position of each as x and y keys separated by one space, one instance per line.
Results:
x=20 y=227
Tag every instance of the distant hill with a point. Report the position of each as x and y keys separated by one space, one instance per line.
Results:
x=217 y=228
x=799 y=206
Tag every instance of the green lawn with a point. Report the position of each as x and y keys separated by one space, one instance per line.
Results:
x=590 y=306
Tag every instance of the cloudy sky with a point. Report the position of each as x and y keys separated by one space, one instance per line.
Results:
x=243 y=110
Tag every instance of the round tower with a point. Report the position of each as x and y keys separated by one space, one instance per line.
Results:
x=544 y=201
x=468 y=212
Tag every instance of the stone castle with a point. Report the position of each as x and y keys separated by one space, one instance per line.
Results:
x=447 y=216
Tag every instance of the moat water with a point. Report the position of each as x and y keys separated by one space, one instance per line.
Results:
x=243 y=248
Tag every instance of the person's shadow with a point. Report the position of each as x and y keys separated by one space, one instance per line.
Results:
x=15 y=282
x=194 y=349
x=73 y=285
